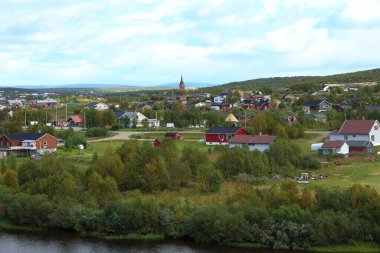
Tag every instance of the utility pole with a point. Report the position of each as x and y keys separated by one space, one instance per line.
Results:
x=56 y=116
x=66 y=112
x=84 y=119
x=156 y=122
x=245 y=119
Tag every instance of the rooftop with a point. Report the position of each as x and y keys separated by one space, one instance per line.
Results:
x=357 y=126
x=223 y=130
x=333 y=144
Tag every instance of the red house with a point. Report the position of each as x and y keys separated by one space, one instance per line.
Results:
x=174 y=135
x=221 y=135
x=157 y=143
x=26 y=144
x=75 y=120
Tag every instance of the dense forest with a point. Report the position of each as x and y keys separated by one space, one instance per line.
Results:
x=117 y=193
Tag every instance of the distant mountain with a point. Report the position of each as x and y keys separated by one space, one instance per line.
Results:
x=72 y=86
x=107 y=86
x=188 y=84
x=372 y=75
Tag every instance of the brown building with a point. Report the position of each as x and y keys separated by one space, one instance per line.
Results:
x=174 y=135
x=26 y=144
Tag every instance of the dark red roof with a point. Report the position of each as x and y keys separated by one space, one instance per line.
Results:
x=241 y=139
x=357 y=126
x=333 y=144
x=263 y=139
x=223 y=130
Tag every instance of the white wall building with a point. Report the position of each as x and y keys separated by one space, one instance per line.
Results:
x=358 y=130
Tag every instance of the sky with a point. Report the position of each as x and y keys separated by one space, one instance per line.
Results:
x=148 y=42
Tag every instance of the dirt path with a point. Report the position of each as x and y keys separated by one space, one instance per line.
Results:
x=125 y=135
x=321 y=135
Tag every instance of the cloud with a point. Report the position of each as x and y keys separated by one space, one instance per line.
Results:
x=152 y=41
x=362 y=11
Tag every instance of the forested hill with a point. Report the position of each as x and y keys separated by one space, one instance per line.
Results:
x=360 y=76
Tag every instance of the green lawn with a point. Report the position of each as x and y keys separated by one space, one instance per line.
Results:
x=363 y=172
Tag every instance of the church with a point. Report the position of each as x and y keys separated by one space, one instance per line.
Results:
x=181 y=84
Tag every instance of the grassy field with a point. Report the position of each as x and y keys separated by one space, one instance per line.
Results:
x=160 y=135
x=362 y=172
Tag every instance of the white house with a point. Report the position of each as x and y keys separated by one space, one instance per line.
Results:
x=358 y=130
x=153 y=123
x=99 y=106
x=219 y=99
x=136 y=118
x=326 y=88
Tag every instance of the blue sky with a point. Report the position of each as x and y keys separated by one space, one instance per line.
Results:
x=149 y=42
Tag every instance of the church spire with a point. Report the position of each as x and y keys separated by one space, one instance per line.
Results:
x=182 y=84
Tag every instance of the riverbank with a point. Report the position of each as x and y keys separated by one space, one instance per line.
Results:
x=7 y=225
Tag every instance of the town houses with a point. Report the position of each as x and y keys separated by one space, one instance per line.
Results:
x=355 y=136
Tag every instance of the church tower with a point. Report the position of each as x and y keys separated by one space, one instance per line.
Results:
x=181 y=84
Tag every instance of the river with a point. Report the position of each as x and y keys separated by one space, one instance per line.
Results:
x=65 y=242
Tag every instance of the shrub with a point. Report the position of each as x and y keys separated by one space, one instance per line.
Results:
x=115 y=128
x=96 y=132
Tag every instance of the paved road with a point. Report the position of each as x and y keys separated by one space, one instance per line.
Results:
x=125 y=135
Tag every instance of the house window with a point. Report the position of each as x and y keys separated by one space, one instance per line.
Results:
x=345 y=137
x=229 y=136
x=372 y=138
x=376 y=127
x=354 y=135
x=326 y=152
x=45 y=143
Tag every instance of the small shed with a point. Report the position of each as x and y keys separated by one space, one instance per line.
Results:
x=174 y=135
x=334 y=147
x=157 y=143
x=231 y=118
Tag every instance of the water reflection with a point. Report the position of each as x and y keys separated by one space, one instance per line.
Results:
x=61 y=242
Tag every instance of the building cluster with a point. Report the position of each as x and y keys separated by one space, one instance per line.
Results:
x=355 y=136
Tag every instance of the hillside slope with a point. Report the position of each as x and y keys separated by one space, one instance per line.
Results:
x=359 y=76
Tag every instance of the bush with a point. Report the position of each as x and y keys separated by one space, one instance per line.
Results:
x=115 y=128
x=74 y=140
x=96 y=132
x=310 y=162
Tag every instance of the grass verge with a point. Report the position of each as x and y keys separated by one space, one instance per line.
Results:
x=359 y=248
